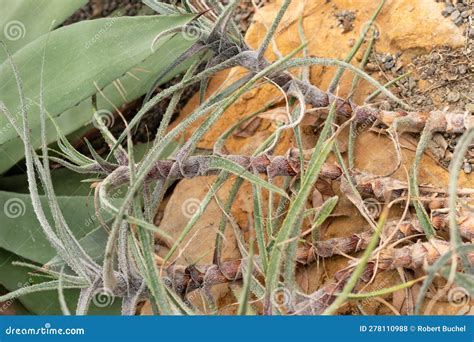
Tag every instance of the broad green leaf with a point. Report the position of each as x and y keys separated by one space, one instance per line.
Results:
x=65 y=182
x=20 y=232
x=93 y=243
x=111 y=53
x=22 y=21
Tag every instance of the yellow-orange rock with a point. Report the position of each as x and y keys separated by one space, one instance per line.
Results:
x=405 y=26
x=409 y=27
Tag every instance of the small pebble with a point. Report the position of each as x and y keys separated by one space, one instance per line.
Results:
x=462 y=69
x=453 y=97
x=398 y=66
x=389 y=64
x=471 y=33
x=458 y=21
x=435 y=57
x=450 y=76
x=371 y=67
x=430 y=71
x=448 y=10
x=467 y=168
x=455 y=15
x=469 y=108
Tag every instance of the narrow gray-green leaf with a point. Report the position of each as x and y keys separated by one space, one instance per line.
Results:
x=323 y=213
x=220 y=163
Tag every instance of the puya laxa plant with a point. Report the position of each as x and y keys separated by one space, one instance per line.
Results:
x=130 y=270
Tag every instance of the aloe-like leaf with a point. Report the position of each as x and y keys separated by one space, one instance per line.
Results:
x=65 y=182
x=20 y=232
x=81 y=58
x=93 y=243
x=22 y=21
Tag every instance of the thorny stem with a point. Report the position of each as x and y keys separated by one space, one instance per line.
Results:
x=382 y=188
x=413 y=256
x=187 y=279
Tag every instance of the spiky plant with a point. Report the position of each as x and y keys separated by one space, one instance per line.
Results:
x=129 y=269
